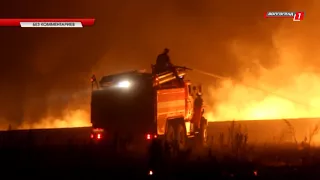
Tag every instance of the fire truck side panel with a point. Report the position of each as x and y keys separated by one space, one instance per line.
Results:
x=171 y=103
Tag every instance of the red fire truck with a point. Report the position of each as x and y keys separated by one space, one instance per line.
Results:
x=139 y=107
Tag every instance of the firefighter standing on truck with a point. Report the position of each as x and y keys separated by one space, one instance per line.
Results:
x=164 y=64
x=163 y=61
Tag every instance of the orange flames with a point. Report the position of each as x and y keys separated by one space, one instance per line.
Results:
x=289 y=90
x=293 y=96
x=72 y=118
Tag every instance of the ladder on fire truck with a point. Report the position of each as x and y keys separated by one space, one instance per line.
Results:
x=168 y=76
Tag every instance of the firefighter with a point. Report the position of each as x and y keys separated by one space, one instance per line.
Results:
x=164 y=64
x=198 y=103
x=163 y=61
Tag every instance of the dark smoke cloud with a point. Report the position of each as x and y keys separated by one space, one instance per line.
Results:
x=38 y=63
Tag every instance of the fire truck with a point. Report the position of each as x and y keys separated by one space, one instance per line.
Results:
x=141 y=107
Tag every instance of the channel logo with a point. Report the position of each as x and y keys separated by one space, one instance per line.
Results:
x=296 y=16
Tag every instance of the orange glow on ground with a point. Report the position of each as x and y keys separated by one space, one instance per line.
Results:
x=76 y=118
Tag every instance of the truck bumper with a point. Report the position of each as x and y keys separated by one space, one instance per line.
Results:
x=138 y=143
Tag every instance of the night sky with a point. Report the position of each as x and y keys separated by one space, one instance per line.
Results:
x=38 y=63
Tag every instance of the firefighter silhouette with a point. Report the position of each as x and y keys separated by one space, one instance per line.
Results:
x=198 y=103
x=163 y=61
x=164 y=64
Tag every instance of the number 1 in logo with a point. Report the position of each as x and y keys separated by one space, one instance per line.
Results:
x=298 y=16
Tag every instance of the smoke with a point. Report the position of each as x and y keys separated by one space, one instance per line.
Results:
x=57 y=63
x=4 y=125
x=71 y=111
x=286 y=88
x=289 y=88
x=70 y=118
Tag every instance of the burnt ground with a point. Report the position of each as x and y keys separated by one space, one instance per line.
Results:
x=67 y=152
x=79 y=161
x=260 y=131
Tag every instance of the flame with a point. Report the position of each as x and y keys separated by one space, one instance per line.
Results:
x=71 y=118
x=290 y=89
x=76 y=114
x=4 y=124
x=236 y=101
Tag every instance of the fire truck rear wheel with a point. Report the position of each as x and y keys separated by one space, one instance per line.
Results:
x=170 y=135
x=181 y=137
